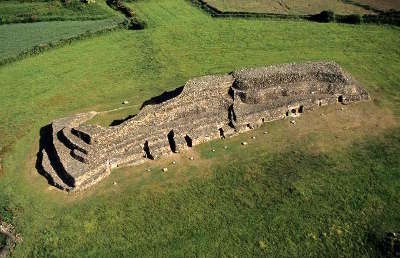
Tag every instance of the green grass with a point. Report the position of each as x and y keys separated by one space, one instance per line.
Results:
x=322 y=192
x=295 y=7
x=17 y=11
x=18 y=38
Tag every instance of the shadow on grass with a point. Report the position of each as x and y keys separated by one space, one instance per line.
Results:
x=165 y=96
x=120 y=121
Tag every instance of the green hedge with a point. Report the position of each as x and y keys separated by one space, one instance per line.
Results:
x=324 y=16
x=350 y=19
x=133 y=22
x=391 y=17
x=34 y=18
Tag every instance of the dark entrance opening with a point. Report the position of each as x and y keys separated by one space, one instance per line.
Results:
x=147 y=150
x=287 y=113
x=189 y=141
x=301 y=109
x=171 y=141
x=221 y=133
x=231 y=116
x=340 y=99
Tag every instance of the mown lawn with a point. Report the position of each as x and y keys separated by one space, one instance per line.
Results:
x=321 y=188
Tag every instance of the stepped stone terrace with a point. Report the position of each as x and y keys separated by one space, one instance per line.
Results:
x=75 y=155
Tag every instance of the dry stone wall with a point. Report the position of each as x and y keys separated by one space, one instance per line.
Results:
x=78 y=156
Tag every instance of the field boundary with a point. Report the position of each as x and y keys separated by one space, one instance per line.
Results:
x=390 y=17
x=38 y=49
x=132 y=21
x=33 y=19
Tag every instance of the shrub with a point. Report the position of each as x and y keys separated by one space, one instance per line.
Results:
x=391 y=17
x=324 y=16
x=351 y=19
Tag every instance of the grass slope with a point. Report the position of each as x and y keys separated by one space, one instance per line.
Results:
x=317 y=191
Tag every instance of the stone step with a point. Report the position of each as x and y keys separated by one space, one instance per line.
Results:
x=72 y=167
x=78 y=155
x=91 y=179
x=75 y=141
x=56 y=180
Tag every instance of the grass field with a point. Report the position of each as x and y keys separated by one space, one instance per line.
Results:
x=326 y=187
x=17 y=38
x=383 y=5
x=49 y=23
x=295 y=7
x=17 y=11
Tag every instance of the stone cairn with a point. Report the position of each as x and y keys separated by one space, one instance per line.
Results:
x=77 y=155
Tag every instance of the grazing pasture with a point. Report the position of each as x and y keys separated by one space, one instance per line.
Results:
x=327 y=186
x=383 y=5
x=294 y=7
x=19 y=38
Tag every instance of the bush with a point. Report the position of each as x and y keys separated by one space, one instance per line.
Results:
x=351 y=19
x=324 y=16
x=391 y=17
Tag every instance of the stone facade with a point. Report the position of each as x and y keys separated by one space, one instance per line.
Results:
x=206 y=108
